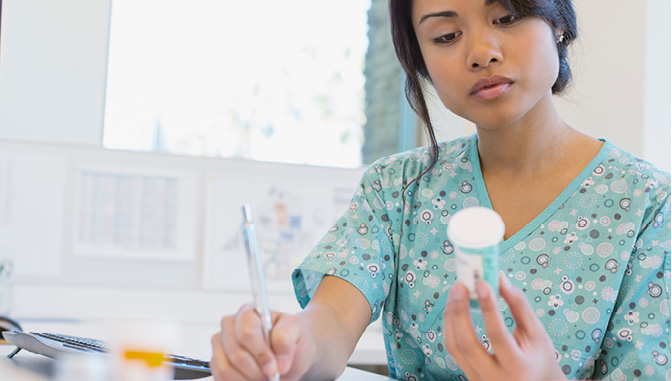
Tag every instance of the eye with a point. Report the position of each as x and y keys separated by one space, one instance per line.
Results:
x=446 y=38
x=507 y=20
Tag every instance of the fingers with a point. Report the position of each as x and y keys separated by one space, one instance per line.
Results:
x=240 y=351
x=519 y=306
x=247 y=342
x=450 y=338
x=503 y=343
x=220 y=367
x=237 y=356
x=284 y=338
x=460 y=338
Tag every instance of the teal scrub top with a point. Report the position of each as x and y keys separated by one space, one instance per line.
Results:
x=594 y=265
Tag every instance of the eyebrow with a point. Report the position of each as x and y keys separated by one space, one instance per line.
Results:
x=451 y=14
x=437 y=14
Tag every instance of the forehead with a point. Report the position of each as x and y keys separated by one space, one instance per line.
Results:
x=421 y=7
x=436 y=2
x=423 y=4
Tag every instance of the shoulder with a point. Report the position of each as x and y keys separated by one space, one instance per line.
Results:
x=618 y=159
x=632 y=178
x=406 y=166
x=621 y=164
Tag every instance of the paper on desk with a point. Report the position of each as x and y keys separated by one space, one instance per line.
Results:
x=32 y=189
x=141 y=213
x=350 y=374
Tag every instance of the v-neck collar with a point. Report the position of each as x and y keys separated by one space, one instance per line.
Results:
x=551 y=208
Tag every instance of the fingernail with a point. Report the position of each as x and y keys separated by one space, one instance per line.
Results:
x=456 y=292
x=482 y=289
x=283 y=363
x=271 y=370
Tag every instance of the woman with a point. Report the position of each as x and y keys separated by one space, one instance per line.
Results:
x=585 y=265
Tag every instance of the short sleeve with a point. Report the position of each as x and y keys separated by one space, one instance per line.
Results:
x=358 y=248
x=637 y=342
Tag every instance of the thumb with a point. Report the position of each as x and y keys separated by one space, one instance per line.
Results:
x=285 y=336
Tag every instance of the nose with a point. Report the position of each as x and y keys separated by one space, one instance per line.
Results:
x=484 y=50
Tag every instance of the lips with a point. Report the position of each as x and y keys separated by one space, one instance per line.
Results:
x=491 y=87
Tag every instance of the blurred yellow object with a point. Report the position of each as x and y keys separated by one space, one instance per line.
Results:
x=153 y=359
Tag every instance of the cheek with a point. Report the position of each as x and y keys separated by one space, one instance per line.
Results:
x=446 y=81
x=543 y=60
x=448 y=95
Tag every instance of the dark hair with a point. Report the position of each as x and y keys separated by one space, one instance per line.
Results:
x=558 y=13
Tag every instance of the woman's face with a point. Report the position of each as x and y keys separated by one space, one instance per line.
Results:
x=487 y=65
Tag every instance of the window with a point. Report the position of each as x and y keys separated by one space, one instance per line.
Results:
x=265 y=80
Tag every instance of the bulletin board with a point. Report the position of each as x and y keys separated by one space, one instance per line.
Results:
x=293 y=208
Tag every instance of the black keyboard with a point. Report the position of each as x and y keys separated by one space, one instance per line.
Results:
x=52 y=345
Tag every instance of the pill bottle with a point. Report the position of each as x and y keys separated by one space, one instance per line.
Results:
x=139 y=349
x=476 y=233
x=83 y=366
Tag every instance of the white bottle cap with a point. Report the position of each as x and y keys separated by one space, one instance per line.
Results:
x=476 y=228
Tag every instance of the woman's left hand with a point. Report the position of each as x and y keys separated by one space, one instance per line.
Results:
x=527 y=354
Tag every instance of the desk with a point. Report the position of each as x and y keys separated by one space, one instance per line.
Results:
x=32 y=367
x=13 y=372
x=196 y=334
x=26 y=366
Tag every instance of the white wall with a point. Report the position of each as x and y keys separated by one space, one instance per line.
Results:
x=53 y=58
x=621 y=69
x=53 y=65
x=657 y=69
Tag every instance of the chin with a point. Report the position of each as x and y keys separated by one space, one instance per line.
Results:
x=493 y=115
x=495 y=122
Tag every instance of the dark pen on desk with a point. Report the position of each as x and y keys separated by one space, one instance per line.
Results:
x=257 y=276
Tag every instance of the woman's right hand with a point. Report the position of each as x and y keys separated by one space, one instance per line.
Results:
x=240 y=352
x=315 y=343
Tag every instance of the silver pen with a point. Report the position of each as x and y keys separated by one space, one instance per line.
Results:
x=257 y=276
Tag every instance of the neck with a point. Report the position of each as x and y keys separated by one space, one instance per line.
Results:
x=528 y=145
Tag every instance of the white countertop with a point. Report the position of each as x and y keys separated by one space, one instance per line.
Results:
x=191 y=340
